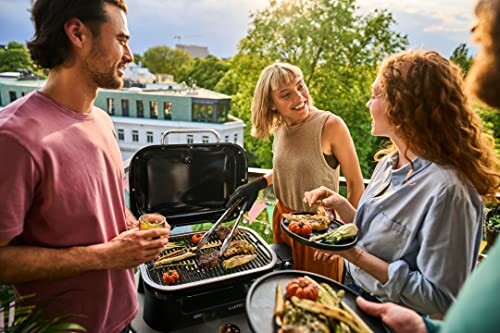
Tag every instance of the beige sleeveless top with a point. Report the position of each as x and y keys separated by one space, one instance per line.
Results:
x=298 y=161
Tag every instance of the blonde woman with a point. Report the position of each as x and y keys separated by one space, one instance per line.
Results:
x=420 y=217
x=309 y=148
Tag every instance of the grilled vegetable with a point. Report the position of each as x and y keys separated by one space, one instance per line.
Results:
x=196 y=238
x=238 y=261
x=301 y=229
x=170 y=260
x=356 y=318
x=337 y=235
x=170 y=277
x=279 y=305
x=174 y=245
x=302 y=288
x=240 y=246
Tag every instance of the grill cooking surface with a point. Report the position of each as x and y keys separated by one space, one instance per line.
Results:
x=193 y=275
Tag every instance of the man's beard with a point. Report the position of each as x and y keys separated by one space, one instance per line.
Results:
x=102 y=77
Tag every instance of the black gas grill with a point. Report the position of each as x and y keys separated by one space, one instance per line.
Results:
x=190 y=184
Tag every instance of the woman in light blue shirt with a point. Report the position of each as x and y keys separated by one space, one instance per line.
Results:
x=420 y=217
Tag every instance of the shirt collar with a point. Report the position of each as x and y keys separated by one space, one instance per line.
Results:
x=401 y=175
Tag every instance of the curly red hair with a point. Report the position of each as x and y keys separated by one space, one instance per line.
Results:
x=431 y=114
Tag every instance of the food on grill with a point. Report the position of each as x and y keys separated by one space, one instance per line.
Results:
x=240 y=246
x=171 y=259
x=173 y=245
x=239 y=260
x=170 y=277
x=301 y=229
x=337 y=235
x=208 y=259
x=196 y=238
x=222 y=232
x=302 y=288
x=319 y=221
x=328 y=313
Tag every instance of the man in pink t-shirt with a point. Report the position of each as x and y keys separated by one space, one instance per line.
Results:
x=63 y=221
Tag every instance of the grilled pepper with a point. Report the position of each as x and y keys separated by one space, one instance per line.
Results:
x=238 y=261
x=170 y=277
x=337 y=235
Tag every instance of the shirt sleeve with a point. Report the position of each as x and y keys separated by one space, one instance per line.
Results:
x=449 y=241
x=432 y=326
x=18 y=178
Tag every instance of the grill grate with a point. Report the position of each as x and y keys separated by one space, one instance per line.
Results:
x=194 y=275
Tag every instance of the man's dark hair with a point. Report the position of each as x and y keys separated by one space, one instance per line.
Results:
x=50 y=44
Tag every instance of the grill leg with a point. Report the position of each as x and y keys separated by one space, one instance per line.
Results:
x=140 y=285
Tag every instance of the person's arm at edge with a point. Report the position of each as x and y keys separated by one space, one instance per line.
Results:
x=342 y=146
x=29 y=263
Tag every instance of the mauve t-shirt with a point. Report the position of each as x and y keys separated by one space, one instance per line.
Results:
x=61 y=185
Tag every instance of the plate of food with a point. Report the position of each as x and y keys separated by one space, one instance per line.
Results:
x=299 y=301
x=319 y=230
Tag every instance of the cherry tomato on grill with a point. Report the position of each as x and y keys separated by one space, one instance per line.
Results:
x=302 y=288
x=196 y=238
x=170 y=277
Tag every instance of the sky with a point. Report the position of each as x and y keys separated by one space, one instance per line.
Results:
x=219 y=24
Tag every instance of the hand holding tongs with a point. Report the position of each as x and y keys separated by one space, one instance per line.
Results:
x=221 y=219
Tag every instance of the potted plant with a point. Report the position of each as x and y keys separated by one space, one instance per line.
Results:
x=18 y=316
x=492 y=225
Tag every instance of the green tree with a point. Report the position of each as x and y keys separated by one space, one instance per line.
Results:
x=204 y=72
x=14 y=57
x=138 y=58
x=461 y=57
x=337 y=49
x=165 y=60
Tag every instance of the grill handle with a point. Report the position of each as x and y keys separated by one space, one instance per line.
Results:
x=189 y=131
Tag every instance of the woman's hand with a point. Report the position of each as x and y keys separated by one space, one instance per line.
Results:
x=331 y=256
x=326 y=196
x=398 y=318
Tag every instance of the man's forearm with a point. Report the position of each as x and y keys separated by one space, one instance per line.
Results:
x=25 y=263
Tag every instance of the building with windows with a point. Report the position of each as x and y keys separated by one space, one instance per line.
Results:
x=142 y=115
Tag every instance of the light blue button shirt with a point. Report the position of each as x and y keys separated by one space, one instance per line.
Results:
x=426 y=225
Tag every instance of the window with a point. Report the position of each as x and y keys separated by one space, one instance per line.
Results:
x=167 y=110
x=203 y=112
x=149 y=137
x=204 y=139
x=22 y=93
x=121 y=134
x=12 y=95
x=235 y=137
x=140 y=109
x=125 y=108
x=210 y=112
x=196 y=112
x=189 y=138
x=110 y=106
x=135 y=136
x=226 y=138
x=153 y=109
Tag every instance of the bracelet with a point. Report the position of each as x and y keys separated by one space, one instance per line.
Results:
x=356 y=260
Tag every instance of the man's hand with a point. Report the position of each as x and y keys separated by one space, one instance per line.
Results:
x=134 y=247
x=398 y=318
x=130 y=219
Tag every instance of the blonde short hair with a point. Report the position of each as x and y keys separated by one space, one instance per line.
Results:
x=264 y=119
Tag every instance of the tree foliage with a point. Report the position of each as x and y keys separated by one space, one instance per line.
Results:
x=165 y=60
x=337 y=49
x=204 y=72
x=461 y=57
x=15 y=56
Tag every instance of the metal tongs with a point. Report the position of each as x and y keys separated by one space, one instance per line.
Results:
x=221 y=219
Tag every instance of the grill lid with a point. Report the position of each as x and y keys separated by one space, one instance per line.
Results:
x=193 y=276
x=187 y=183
